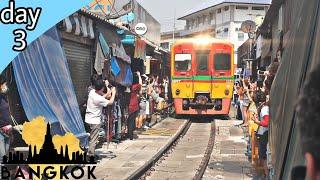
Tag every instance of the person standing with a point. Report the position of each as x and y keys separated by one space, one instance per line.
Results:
x=309 y=124
x=263 y=122
x=143 y=105
x=245 y=102
x=166 y=87
x=134 y=104
x=97 y=100
x=5 y=119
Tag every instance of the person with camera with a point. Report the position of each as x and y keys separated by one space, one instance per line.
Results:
x=97 y=100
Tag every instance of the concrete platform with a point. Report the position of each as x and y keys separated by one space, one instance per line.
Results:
x=228 y=160
x=128 y=156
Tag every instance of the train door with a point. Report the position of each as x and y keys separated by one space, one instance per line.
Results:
x=202 y=75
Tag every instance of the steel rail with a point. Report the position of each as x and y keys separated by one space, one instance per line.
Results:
x=139 y=173
x=206 y=158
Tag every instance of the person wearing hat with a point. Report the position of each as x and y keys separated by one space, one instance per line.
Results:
x=5 y=121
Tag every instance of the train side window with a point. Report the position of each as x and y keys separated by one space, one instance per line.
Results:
x=202 y=61
x=222 y=62
x=182 y=62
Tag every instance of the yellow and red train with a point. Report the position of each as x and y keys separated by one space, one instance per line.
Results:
x=202 y=73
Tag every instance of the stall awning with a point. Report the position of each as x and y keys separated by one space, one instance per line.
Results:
x=45 y=86
x=79 y=25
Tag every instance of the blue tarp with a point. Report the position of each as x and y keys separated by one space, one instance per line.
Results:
x=45 y=86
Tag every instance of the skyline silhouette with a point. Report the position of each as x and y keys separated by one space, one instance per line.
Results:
x=48 y=154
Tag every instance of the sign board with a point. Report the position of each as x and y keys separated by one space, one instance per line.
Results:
x=141 y=28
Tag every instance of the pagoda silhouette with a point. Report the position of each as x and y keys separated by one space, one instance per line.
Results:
x=48 y=155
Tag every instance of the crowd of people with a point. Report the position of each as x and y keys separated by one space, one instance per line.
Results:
x=251 y=99
x=149 y=93
x=146 y=95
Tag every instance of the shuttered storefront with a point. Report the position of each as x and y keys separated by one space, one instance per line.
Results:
x=77 y=34
x=79 y=58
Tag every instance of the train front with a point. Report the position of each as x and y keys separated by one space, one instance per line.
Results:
x=202 y=77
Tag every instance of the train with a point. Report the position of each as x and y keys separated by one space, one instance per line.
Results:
x=202 y=76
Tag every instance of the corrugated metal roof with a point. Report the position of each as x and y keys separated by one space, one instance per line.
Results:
x=212 y=3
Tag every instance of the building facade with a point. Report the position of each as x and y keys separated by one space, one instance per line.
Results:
x=222 y=19
x=143 y=16
x=167 y=38
x=127 y=13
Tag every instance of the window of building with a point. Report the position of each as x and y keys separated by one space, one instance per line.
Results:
x=210 y=18
x=226 y=8
x=219 y=10
x=240 y=36
x=204 y=17
x=198 y=21
x=258 y=8
x=241 y=7
x=188 y=24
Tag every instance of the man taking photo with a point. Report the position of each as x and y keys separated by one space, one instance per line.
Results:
x=97 y=100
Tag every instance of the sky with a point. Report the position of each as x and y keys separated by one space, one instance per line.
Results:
x=164 y=10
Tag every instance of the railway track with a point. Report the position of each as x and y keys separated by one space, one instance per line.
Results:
x=186 y=156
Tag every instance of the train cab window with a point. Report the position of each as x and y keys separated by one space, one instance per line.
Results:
x=222 y=62
x=182 y=62
x=202 y=60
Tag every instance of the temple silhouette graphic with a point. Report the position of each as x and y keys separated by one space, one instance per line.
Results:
x=48 y=155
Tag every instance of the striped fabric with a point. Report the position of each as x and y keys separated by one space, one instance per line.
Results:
x=79 y=25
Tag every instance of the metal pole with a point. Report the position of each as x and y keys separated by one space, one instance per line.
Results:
x=174 y=26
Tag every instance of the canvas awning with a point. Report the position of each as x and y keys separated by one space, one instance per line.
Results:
x=45 y=86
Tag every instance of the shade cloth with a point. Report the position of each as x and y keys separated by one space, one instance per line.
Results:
x=113 y=40
x=300 y=56
x=45 y=86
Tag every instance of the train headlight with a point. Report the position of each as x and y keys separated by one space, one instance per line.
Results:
x=227 y=92
x=178 y=92
x=185 y=102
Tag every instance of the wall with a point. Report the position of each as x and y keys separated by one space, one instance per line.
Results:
x=143 y=16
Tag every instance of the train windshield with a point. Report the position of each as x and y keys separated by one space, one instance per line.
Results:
x=182 y=62
x=222 y=62
x=202 y=61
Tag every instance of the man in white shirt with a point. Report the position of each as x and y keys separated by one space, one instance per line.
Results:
x=97 y=100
